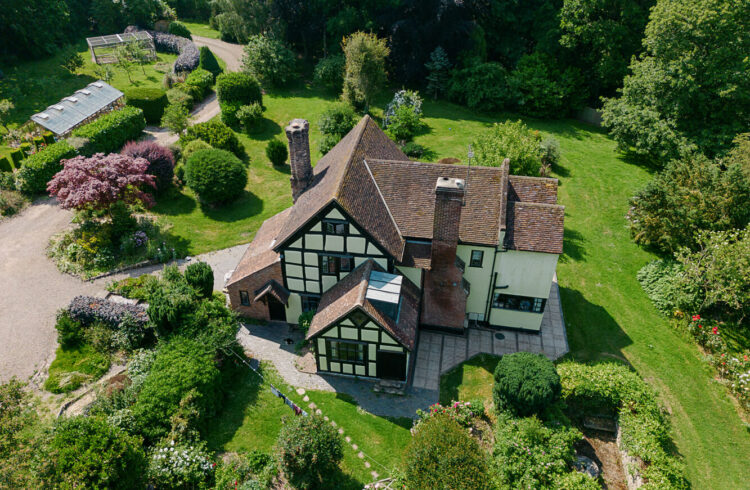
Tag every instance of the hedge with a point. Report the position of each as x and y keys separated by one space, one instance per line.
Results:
x=16 y=156
x=40 y=167
x=209 y=62
x=48 y=137
x=202 y=79
x=152 y=101
x=216 y=134
x=108 y=133
x=6 y=165
x=179 y=29
x=238 y=87
x=188 y=58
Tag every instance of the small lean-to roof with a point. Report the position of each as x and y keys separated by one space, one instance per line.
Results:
x=260 y=254
x=341 y=176
x=273 y=288
x=71 y=111
x=351 y=293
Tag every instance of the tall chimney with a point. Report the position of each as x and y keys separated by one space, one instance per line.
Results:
x=449 y=195
x=299 y=156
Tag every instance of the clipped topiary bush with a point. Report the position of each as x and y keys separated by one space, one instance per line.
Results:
x=229 y=112
x=201 y=277
x=215 y=175
x=308 y=449
x=6 y=164
x=250 y=115
x=216 y=134
x=238 y=87
x=443 y=455
x=179 y=29
x=152 y=101
x=202 y=79
x=108 y=133
x=277 y=152
x=40 y=167
x=209 y=62
x=16 y=156
x=160 y=161
x=194 y=146
x=525 y=383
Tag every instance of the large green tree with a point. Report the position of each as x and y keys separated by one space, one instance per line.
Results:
x=692 y=83
x=603 y=35
x=365 y=73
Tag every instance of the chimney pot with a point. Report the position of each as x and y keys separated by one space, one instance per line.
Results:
x=297 y=132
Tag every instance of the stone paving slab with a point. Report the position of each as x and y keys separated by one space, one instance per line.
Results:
x=438 y=353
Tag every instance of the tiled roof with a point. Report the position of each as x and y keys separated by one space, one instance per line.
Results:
x=350 y=293
x=532 y=189
x=417 y=255
x=340 y=175
x=535 y=227
x=260 y=253
x=275 y=289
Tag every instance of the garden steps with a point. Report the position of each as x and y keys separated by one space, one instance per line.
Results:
x=390 y=387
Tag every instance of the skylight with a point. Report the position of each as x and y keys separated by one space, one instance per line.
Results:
x=384 y=292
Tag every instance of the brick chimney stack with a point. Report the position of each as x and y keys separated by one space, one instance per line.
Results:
x=299 y=156
x=449 y=195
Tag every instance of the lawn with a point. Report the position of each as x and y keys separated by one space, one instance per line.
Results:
x=252 y=417
x=202 y=29
x=470 y=380
x=75 y=366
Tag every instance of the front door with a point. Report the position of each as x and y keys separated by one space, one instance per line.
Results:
x=276 y=310
x=391 y=365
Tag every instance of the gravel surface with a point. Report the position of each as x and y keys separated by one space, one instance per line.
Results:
x=32 y=289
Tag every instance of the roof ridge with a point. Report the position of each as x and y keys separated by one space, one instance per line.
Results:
x=504 y=174
x=531 y=177
x=367 y=264
x=382 y=198
x=362 y=124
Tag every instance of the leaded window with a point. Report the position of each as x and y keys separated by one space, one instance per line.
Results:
x=309 y=303
x=519 y=303
x=244 y=298
x=333 y=264
x=336 y=227
x=347 y=351
x=477 y=257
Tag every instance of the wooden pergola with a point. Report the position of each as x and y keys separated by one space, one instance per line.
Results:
x=102 y=47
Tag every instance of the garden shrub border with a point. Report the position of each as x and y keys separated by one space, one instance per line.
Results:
x=151 y=100
x=38 y=169
x=110 y=132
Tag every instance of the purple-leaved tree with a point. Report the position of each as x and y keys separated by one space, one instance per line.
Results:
x=100 y=181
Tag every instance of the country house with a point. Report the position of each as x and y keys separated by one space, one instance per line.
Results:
x=380 y=247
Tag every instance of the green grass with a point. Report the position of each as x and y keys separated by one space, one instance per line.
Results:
x=469 y=380
x=252 y=416
x=75 y=366
x=202 y=29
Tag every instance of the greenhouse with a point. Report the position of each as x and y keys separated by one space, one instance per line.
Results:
x=84 y=105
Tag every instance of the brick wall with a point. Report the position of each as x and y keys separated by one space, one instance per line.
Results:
x=251 y=283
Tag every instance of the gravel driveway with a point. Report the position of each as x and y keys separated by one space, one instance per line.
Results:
x=32 y=289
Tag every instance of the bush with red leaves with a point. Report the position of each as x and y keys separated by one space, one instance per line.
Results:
x=160 y=161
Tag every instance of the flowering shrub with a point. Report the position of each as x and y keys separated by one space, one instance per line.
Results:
x=402 y=116
x=180 y=465
x=189 y=56
x=461 y=412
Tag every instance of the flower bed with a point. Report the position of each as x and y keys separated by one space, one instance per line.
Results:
x=460 y=411
x=88 y=310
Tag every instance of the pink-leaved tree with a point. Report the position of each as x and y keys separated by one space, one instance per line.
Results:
x=100 y=181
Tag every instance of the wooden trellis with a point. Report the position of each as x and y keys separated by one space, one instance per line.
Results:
x=103 y=47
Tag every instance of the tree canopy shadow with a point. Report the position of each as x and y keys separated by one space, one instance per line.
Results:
x=245 y=206
x=174 y=203
x=265 y=130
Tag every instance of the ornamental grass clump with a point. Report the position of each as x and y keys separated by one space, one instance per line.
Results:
x=525 y=384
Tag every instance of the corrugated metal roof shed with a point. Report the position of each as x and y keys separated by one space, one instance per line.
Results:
x=60 y=118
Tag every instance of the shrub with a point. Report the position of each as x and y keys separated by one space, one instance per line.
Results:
x=152 y=101
x=179 y=29
x=337 y=120
x=249 y=115
x=131 y=334
x=215 y=175
x=461 y=412
x=194 y=146
x=403 y=124
x=481 y=87
x=660 y=279
x=690 y=195
x=613 y=388
x=16 y=156
x=216 y=134
x=238 y=87
x=40 y=167
x=442 y=455
x=182 y=365
x=201 y=277
x=529 y=454
x=87 y=452
x=88 y=310
x=308 y=449
x=7 y=182
x=525 y=383
x=171 y=303
x=229 y=112
x=329 y=72
x=188 y=56
x=180 y=465
x=11 y=201
x=209 y=62
x=277 y=152
x=6 y=164
x=512 y=140
x=203 y=79
x=69 y=331
x=550 y=150
x=268 y=60
x=413 y=150
x=176 y=118
x=304 y=321
x=542 y=89
x=108 y=133
x=160 y=160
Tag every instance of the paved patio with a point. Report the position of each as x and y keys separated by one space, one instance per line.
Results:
x=439 y=352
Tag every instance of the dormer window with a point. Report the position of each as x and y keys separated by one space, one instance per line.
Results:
x=335 y=227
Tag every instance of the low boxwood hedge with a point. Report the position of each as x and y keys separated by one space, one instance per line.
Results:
x=108 y=133
x=40 y=167
x=6 y=165
x=202 y=79
x=16 y=156
x=152 y=101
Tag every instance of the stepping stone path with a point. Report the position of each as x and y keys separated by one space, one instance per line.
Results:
x=306 y=399
x=360 y=455
x=348 y=439
x=341 y=431
x=367 y=464
x=374 y=475
x=355 y=447
x=300 y=391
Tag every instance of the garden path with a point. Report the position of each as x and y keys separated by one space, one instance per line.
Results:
x=32 y=289
x=209 y=108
